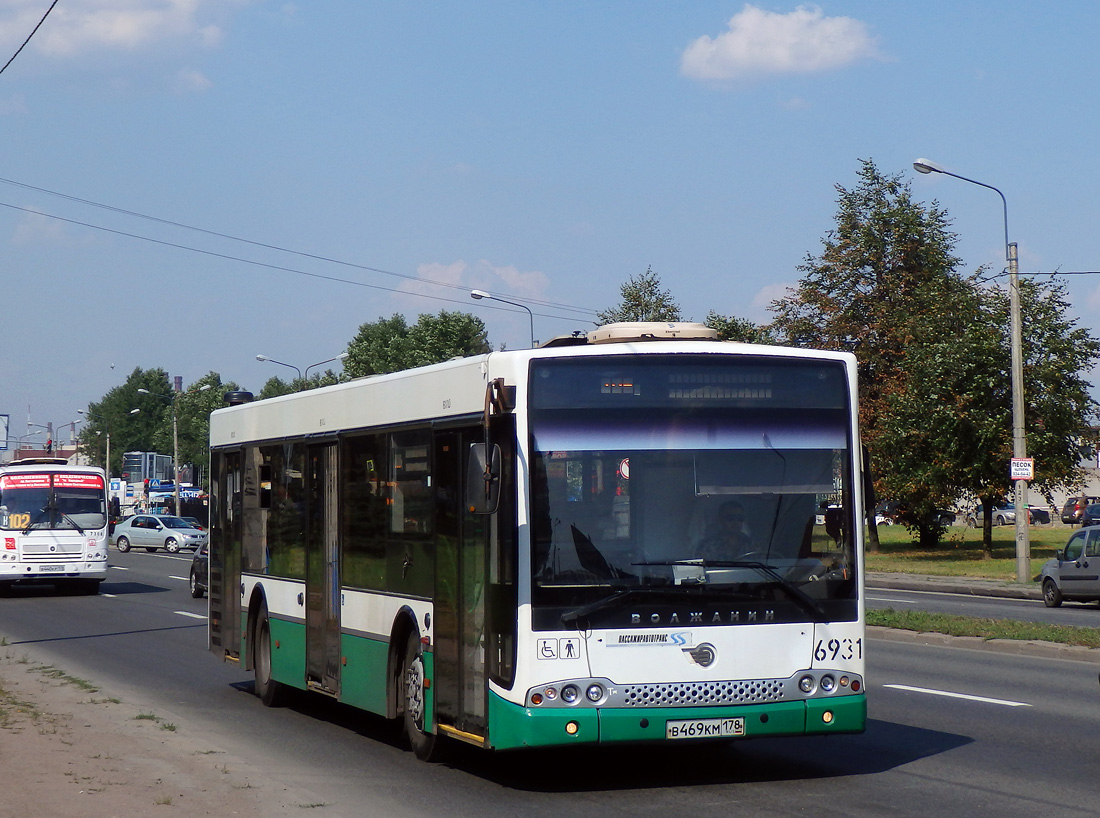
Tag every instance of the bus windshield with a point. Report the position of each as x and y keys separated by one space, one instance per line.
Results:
x=53 y=501
x=718 y=482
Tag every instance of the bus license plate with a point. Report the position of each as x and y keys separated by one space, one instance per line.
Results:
x=44 y=568
x=705 y=728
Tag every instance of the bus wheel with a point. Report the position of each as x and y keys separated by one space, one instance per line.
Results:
x=412 y=700
x=271 y=692
x=122 y=544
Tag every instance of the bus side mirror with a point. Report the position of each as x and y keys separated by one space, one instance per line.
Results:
x=483 y=479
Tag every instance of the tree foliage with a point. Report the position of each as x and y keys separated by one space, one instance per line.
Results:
x=732 y=328
x=933 y=354
x=643 y=299
x=150 y=428
x=390 y=344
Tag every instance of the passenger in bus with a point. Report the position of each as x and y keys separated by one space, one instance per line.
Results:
x=731 y=540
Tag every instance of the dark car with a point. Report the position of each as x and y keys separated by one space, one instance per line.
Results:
x=1074 y=508
x=1069 y=575
x=1091 y=515
x=200 y=570
x=1039 y=516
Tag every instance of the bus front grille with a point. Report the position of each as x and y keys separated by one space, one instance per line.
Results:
x=694 y=694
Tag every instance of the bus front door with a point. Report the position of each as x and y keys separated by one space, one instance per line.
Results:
x=322 y=571
x=461 y=538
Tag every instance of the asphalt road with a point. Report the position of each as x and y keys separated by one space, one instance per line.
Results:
x=951 y=730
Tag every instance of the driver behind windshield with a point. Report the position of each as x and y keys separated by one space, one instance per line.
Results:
x=731 y=540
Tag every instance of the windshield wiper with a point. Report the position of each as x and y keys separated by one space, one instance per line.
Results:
x=801 y=598
x=47 y=510
x=72 y=522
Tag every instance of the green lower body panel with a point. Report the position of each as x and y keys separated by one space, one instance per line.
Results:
x=512 y=726
x=363 y=675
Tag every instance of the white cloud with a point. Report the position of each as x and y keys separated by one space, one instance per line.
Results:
x=189 y=80
x=762 y=42
x=86 y=26
x=772 y=292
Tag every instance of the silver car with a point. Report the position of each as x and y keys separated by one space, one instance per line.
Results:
x=1074 y=573
x=151 y=532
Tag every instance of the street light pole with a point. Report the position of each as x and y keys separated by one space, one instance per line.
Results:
x=339 y=357
x=477 y=295
x=262 y=358
x=174 y=398
x=1019 y=435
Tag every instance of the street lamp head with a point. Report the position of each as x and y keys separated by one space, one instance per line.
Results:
x=926 y=166
x=477 y=295
x=144 y=391
x=261 y=358
x=134 y=411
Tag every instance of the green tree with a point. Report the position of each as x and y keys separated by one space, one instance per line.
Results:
x=130 y=432
x=731 y=328
x=642 y=300
x=887 y=265
x=390 y=345
x=150 y=428
x=933 y=355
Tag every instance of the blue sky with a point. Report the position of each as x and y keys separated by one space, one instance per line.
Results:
x=544 y=152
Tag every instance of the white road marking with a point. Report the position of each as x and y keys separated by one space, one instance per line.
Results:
x=885 y=599
x=192 y=615
x=182 y=579
x=966 y=696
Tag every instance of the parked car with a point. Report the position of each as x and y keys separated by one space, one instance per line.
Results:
x=1074 y=508
x=194 y=523
x=1006 y=515
x=200 y=571
x=1091 y=515
x=892 y=512
x=151 y=532
x=1069 y=575
x=1039 y=516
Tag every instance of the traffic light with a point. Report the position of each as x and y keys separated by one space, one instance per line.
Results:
x=49 y=445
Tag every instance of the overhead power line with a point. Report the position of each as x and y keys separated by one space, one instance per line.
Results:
x=303 y=254
x=33 y=32
x=255 y=263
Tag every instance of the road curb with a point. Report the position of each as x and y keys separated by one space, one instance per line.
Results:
x=954 y=585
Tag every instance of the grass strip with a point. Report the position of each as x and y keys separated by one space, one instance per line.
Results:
x=952 y=625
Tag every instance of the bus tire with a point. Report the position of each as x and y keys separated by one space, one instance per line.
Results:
x=271 y=692
x=122 y=544
x=413 y=705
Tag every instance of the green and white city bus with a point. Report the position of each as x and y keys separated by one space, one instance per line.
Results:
x=640 y=534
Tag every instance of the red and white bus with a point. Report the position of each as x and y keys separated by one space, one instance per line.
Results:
x=53 y=521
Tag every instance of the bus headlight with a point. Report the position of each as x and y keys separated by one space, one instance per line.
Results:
x=570 y=693
x=807 y=684
x=594 y=692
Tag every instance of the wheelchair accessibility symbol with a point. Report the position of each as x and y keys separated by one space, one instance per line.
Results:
x=567 y=648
